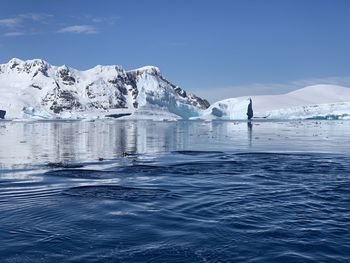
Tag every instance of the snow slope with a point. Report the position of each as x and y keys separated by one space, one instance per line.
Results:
x=318 y=101
x=36 y=89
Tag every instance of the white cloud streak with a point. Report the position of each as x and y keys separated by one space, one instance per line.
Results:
x=35 y=16
x=78 y=29
x=14 y=34
x=10 y=22
x=19 y=24
x=18 y=20
x=110 y=20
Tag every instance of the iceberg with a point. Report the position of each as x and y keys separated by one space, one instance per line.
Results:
x=312 y=102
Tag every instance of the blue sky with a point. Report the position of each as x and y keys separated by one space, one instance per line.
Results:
x=218 y=49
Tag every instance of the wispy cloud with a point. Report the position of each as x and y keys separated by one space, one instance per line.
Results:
x=220 y=93
x=10 y=22
x=14 y=34
x=342 y=80
x=23 y=24
x=20 y=19
x=78 y=29
x=110 y=20
x=27 y=23
x=35 y=16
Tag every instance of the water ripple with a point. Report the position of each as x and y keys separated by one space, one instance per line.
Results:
x=187 y=206
x=117 y=192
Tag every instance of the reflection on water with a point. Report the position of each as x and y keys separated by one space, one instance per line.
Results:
x=250 y=132
x=37 y=142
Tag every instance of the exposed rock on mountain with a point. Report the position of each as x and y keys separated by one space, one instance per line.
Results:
x=37 y=89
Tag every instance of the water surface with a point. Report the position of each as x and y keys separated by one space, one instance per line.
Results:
x=136 y=191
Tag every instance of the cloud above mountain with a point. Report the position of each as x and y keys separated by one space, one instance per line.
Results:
x=43 y=23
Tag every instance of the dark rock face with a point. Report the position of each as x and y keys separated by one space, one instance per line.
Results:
x=180 y=92
x=41 y=70
x=105 y=95
x=14 y=65
x=120 y=82
x=193 y=99
x=89 y=91
x=36 y=87
x=66 y=101
x=66 y=76
x=38 y=66
x=62 y=100
x=2 y=114
x=131 y=82
x=199 y=102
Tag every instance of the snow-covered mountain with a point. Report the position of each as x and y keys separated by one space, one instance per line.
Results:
x=318 y=101
x=36 y=89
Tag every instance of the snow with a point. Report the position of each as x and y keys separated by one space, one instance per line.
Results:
x=151 y=93
x=317 y=101
x=147 y=69
x=36 y=89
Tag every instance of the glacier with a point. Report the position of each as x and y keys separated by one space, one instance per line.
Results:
x=321 y=101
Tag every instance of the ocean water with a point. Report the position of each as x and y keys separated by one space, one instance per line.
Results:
x=137 y=191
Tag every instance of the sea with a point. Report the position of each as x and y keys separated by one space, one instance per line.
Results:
x=185 y=191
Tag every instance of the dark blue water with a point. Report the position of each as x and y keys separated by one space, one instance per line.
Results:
x=175 y=192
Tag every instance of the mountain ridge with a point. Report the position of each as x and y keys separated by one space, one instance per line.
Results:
x=39 y=89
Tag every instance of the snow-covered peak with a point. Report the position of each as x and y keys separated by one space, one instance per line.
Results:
x=29 y=67
x=101 y=68
x=35 y=62
x=15 y=61
x=63 y=67
x=147 y=69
